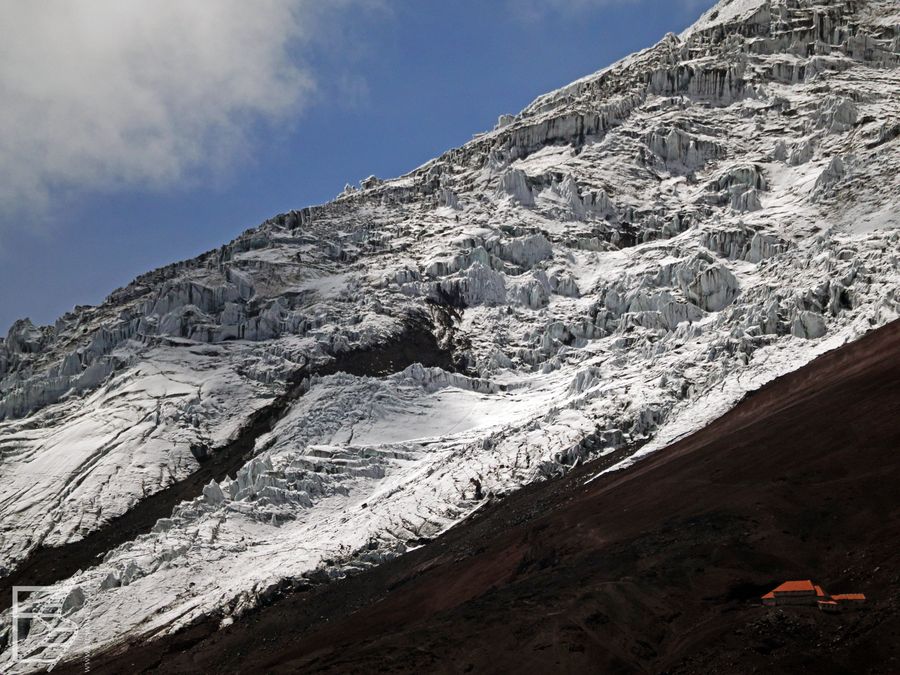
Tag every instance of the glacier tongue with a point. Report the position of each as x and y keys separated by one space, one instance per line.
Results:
x=610 y=269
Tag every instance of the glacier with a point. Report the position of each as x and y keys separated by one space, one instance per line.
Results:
x=605 y=272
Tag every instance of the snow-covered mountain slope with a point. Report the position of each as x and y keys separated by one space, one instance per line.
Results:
x=610 y=269
x=798 y=479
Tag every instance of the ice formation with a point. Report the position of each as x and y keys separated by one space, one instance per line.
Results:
x=609 y=269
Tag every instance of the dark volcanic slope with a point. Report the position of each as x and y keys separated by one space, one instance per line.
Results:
x=656 y=569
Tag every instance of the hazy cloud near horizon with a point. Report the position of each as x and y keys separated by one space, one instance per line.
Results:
x=104 y=94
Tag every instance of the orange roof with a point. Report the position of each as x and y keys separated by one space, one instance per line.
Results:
x=769 y=596
x=849 y=596
x=827 y=602
x=821 y=593
x=795 y=586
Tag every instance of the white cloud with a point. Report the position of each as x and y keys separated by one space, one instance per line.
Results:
x=101 y=94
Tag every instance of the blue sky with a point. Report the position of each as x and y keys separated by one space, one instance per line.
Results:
x=370 y=87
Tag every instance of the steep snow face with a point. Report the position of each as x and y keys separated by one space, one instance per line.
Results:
x=741 y=14
x=612 y=268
